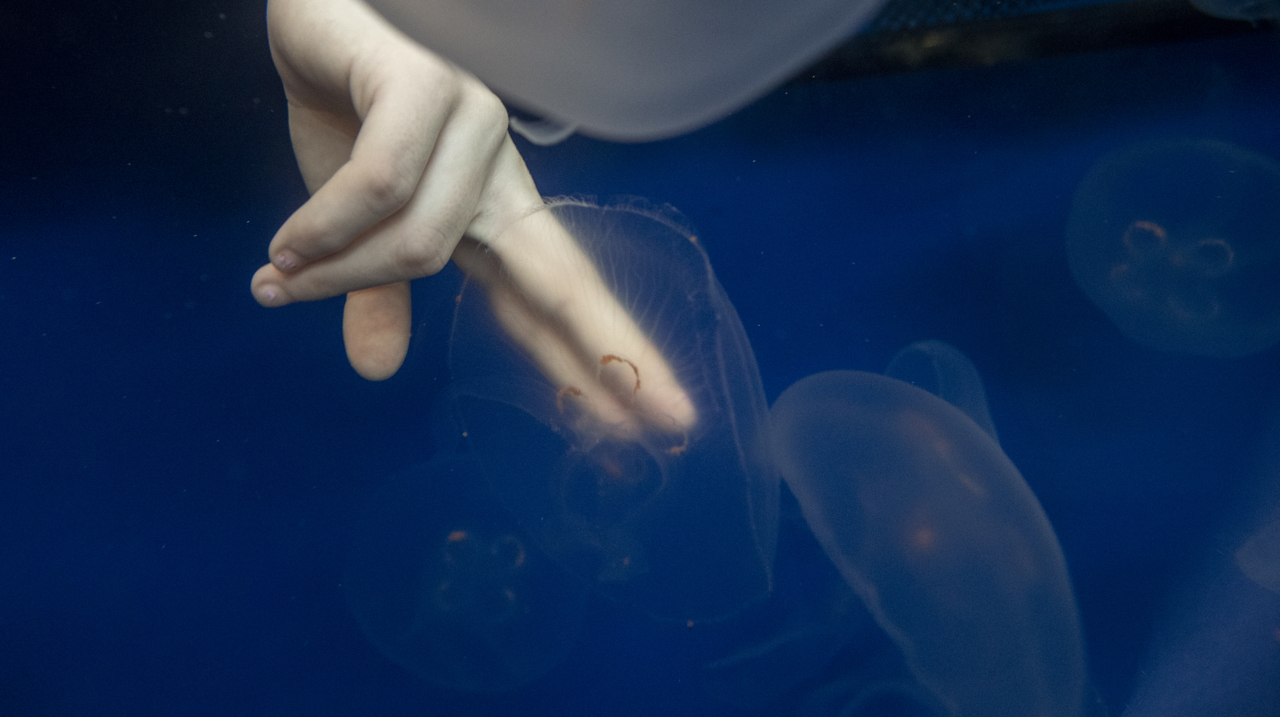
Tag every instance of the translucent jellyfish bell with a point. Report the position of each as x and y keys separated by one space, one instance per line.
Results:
x=820 y=652
x=934 y=528
x=635 y=450
x=625 y=70
x=941 y=369
x=446 y=584
x=1175 y=240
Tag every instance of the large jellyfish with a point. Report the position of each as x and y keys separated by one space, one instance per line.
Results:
x=1176 y=241
x=635 y=451
x=630 y=70
x=934 y=528
x=813 y=649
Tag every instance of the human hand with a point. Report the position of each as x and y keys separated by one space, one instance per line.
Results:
x=403 y=153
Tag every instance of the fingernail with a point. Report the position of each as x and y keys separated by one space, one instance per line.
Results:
x=269 y=293
x=287 y=261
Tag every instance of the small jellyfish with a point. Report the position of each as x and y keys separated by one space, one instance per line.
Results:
x=445 y=584
x=635 y=447
x=935 y=530
x=941 y=369
x=1178 y=242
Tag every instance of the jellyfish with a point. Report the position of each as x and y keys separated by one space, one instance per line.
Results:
x=624 y=70
x=635 y=452
x=1176 y=241
x=813 y=648
x=446 y=584
x=935 y=530
x=941 y=369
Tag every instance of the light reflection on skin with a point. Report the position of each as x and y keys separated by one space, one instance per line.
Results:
x=551 y=301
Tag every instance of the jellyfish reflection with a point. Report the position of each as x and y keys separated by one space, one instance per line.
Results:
x=636 y=452
x=936 y=531
x=446 y=585
x=1175 y=240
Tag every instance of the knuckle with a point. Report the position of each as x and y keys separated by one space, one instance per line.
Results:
x=485 y=111
x=420 y=256
x=387 y=187
x=438 y=84
x=492 y=110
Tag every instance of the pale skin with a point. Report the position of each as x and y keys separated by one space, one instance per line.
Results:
x=405 y=154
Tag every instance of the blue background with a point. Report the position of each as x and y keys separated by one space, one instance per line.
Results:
x=180 y=469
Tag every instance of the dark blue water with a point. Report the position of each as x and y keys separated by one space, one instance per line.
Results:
x=180 y=469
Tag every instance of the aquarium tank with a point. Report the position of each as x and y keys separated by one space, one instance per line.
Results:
x=852 y=359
